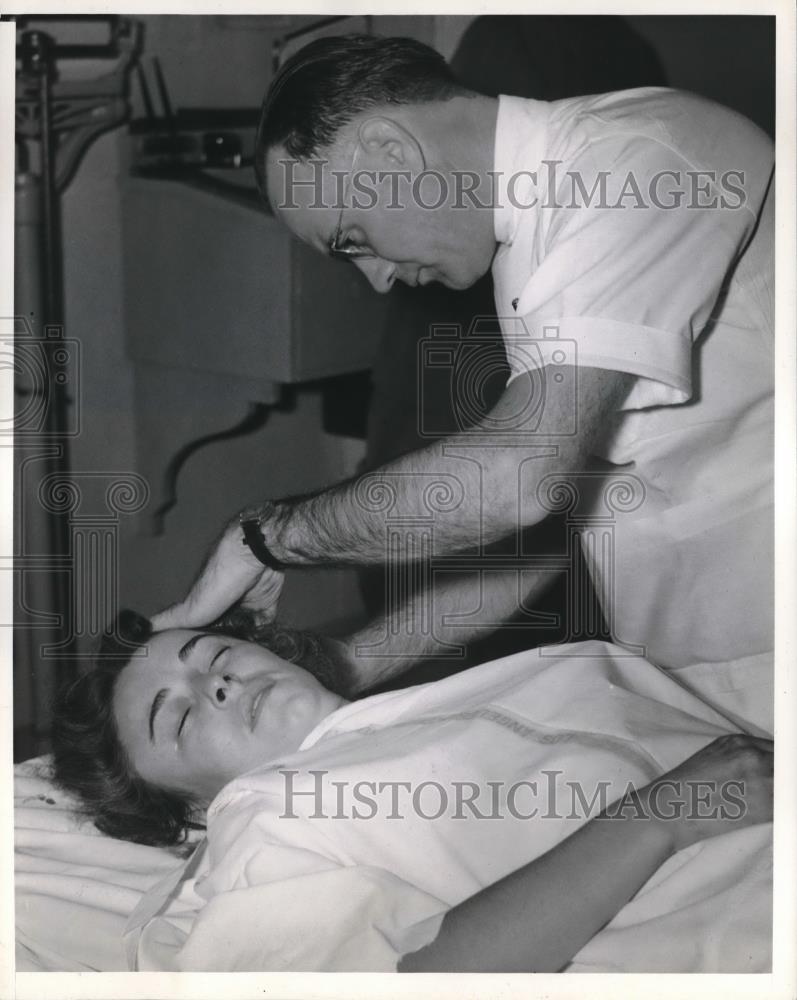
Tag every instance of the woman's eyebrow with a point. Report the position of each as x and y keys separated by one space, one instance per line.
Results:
x=186 y=650
x=156 y=704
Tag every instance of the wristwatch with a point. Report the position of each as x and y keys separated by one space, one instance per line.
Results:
x=251 y=525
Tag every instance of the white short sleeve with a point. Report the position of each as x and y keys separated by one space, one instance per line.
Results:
x=629 y=285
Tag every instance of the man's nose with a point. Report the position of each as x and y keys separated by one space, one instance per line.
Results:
x=380 y=273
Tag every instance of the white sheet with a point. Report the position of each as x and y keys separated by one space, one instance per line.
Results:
x=317 y=892
x=708 y=909
x=75 y=888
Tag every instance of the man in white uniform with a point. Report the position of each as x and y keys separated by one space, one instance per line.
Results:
x=636 y=289
x=631 y=241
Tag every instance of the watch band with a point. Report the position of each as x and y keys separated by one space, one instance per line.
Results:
x=253 y=537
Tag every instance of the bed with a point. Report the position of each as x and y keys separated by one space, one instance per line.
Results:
x=75 y=888
x=76 y=891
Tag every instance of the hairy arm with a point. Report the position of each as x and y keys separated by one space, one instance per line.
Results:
x=460 y=493
x=476 y=486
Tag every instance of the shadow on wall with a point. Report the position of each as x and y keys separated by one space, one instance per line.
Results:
x=729 y=59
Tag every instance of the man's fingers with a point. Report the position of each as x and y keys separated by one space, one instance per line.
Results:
x=231 y=574
x=177 y=616
x=263 y=616
x=204 y=605
x=193 y=612
x=264 y=597
x=162 y=621
x=265 y=590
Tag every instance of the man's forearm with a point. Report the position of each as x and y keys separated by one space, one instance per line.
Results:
x=435 y=622
x=459 y=502
x=461 y=493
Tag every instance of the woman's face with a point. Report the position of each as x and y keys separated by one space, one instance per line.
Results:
x=196 y=709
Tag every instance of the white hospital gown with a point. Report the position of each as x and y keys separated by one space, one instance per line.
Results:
x=327 y=881
x=682 y=298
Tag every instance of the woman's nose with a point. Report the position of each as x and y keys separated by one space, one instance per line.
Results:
x=380 y=273
x=219 y=689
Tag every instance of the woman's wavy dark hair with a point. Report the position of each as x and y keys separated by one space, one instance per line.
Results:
x=88 y=757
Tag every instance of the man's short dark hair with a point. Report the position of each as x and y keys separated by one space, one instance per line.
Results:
x=329 y=82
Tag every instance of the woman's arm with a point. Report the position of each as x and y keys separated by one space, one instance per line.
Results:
x=539 y=917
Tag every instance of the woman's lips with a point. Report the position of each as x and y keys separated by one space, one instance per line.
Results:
x=257 y=703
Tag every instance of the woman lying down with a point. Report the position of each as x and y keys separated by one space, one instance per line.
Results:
x=496 y=820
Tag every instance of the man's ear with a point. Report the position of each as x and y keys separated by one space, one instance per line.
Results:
x=391 y=145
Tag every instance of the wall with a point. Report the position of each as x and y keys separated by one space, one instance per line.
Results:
x=211 y=61
x=728 y=58
x=205 y=63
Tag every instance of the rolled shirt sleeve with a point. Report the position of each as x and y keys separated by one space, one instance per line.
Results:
x=626 y=283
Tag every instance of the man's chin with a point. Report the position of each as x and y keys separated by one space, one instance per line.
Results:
x=436 y=278
x=456 y=283
x=462 y=281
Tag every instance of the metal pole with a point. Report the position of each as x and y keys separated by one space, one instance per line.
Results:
x=42 y=448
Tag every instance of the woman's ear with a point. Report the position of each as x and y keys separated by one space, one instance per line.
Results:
x=390 y=145
x=198 y=814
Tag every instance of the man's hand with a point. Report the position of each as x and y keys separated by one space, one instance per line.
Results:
x=230 y=576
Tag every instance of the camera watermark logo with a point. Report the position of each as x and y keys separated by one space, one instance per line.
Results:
x=43 y=367
x=65 y=559
x=92 y=505
x=465 y=364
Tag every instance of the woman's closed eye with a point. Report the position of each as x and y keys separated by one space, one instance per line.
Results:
x=217 y=654
x=210 y=665
x=183 y=722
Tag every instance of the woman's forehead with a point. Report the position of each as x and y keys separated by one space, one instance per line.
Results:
x=156 y=658
x=169 y=641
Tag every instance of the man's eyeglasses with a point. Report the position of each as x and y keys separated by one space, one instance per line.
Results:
x=342 y=249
